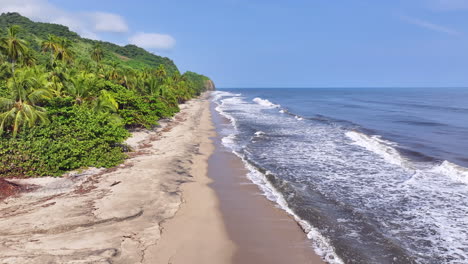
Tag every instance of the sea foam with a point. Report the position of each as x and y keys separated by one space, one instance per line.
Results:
x=379 y=146
x=321 y=244
x=259 y=133
x=453 y=171
x=386 y=150
x=265 y=102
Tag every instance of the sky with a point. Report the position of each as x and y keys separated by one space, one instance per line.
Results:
x=283 y=43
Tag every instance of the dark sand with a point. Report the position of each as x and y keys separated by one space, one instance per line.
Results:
x=262 y=232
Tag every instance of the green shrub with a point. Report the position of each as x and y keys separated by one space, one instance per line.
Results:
x=140 y=110
x=75 y=138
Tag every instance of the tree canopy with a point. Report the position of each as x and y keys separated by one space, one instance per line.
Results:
x=67 y=102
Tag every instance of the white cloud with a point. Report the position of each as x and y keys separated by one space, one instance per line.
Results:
x=87 y=24
x=431 y=26
x=153 y=40
x=107 y=22
x=38 y=9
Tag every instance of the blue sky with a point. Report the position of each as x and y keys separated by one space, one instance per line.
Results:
x=295 y=43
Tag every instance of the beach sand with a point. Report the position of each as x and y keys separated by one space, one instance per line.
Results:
x=118 y=215
x=197 y=233
x=160 y=206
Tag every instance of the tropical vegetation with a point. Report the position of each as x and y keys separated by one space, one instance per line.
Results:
x=67 y=102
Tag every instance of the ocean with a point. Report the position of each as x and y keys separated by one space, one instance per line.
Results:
x=372 y=175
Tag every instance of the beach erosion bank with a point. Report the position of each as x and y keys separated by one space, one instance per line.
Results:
x=180 y=198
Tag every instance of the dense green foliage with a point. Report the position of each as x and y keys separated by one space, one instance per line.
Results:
x=67 y=102
x=130 y=55
x=75 y=138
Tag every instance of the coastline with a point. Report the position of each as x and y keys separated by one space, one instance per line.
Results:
x=116 y=215
x=263 y=232
x=180 y=198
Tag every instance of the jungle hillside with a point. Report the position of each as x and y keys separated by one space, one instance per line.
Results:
x=68 y=102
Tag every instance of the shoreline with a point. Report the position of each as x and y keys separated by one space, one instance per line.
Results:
x=114 y=215
x=263 y=232
x=180 y=198
x=196 y=233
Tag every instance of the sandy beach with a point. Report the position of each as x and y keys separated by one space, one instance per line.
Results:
x=118 y=215
x=171 y=202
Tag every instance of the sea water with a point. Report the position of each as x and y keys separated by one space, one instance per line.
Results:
x=372 y=175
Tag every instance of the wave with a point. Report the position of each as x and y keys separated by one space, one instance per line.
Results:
x=421 y=123
x=387 y=150
x=410 y=198
x=320 y=118
x=229 y=141
x=382 y=147
x=216 y=97
x=321 y=244
x=457 y=173
x=265 y=102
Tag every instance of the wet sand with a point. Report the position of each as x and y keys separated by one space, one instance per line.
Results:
x=262 y=232
x=197 y=233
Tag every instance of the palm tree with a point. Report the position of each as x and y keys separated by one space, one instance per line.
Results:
x=81 y=87
x=133 y=81
x=152 y=86
x=13 y=47
x=64 y=52
x=51 y=44
x=161 y=72
x=29 y=58
x=168 y=93
x=58 y=78
x=97 y=53
x=21 y=108
x=105 y=103
x=114 y=71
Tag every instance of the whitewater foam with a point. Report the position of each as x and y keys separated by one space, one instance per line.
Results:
x=216 y=95
x=229 y=141
x=265 y=102
x=457 y=173
x=321 y=245
x=221 y=103
x=379 y=146
x=386 y=150
x=259 y=133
